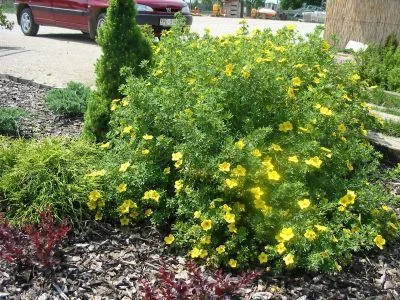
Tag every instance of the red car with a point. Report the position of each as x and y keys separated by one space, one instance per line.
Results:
x=88 y=15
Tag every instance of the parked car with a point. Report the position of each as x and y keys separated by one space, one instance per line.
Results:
x=88 y=15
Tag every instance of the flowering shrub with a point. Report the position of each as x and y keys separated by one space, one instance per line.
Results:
x=253 y=147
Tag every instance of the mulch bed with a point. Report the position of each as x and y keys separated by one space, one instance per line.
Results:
x=105 y=262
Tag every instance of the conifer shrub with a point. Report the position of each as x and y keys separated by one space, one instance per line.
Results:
x=10 y=120
x=247 y=149
x=35 y=175
x=69 y=101
x=123 y=46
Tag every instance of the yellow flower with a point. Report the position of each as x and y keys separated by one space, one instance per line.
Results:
x=256 y=153
x=178 y=185
x=289 y=259
x=126 y=206
x=157 y=72
x=121 y=188
x=341 y=208
x=124 y=221
x=257 y=192
x=282 y=60
x=240 y=144
x=127 y=129
x=291 y=27
x=349 y=166
x=177 y=156
x=167 y=171
x=286 y=126
x=113 y=107
x=232 y=263
x=291 y=92
x=239 y=171
x=355 y=77
x=147 y=137
x=245 y=73
x=268 y=164
x=124 y=167
x=280 y=248
x=224 y=167
x=97 y=173
x=231 y=183
x=275 y=147
x=106 y=145
x=325 y=46
x=148 y=212
x=273 y=175
x=206 y=224
x=296 y=81
x=263 y=258
x=205 y=239
x=228 y=70
x=220 y=249
x=342 y=127
x=145 y=151
x=178 y=163
x=229 y=218
x=169 y=239
x=125 y=102
x=325 y=111
x=316 y=80
x=286 y=234
x=232 y=228
x=203 y=253
x=197 y=214
x=305 y=203
x=385 y=207
x=298 y=66
x=346 y=97
x=151 y=194
x=321 y=228
x=293 y=159
x=315 y=162
x=310 y=235
x=98 y=216
x=348 y=199
x=195 y=252
x=92 y=204
x=94 y=195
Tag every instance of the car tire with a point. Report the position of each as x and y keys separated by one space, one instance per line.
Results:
x=101 y=19
x=28 y=25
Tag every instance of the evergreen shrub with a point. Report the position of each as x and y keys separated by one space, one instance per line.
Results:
x=251 y=148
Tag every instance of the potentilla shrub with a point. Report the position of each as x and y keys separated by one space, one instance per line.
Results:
x=123 y=46
x=247 y=149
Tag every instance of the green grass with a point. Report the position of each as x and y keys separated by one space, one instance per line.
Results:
x=391 y=128
x=379 y=97
x=8 y=7
x=388 y=110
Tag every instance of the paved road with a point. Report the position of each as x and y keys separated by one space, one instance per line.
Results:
x=56 y=55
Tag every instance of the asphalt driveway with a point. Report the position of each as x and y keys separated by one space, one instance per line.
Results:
x=56 y=55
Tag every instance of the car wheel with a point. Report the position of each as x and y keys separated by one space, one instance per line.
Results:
x=101 y=19
x=28 y=25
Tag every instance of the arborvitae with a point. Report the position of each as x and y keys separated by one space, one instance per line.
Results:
x=123 y=45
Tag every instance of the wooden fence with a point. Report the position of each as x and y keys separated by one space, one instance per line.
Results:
x=366 y=21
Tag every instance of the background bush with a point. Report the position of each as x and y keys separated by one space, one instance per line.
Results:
x=10 y=120
x=252 y=146
x=71 y=100
x=37 y=174
x=123 y=46
x=380 y=65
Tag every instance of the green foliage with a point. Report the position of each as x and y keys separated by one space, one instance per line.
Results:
x=380 y=65
x=391 y=128
x=254 y=3
x=123 y=46
x=71 y=100
x=380 y=97
x=37 y=174
x=294 y=4
x=10 y=120
x=252 y=146
x=4 y=22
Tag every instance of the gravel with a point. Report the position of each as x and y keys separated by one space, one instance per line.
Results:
x=103 y=262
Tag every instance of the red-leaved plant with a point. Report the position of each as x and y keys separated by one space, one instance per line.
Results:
x=198 y=285
x=32 y=244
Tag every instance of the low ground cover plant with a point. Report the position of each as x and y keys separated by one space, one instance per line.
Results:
x=37 y=174
x=252 y=148
x=70 y=101
x=380 y=65
x=10 y=120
